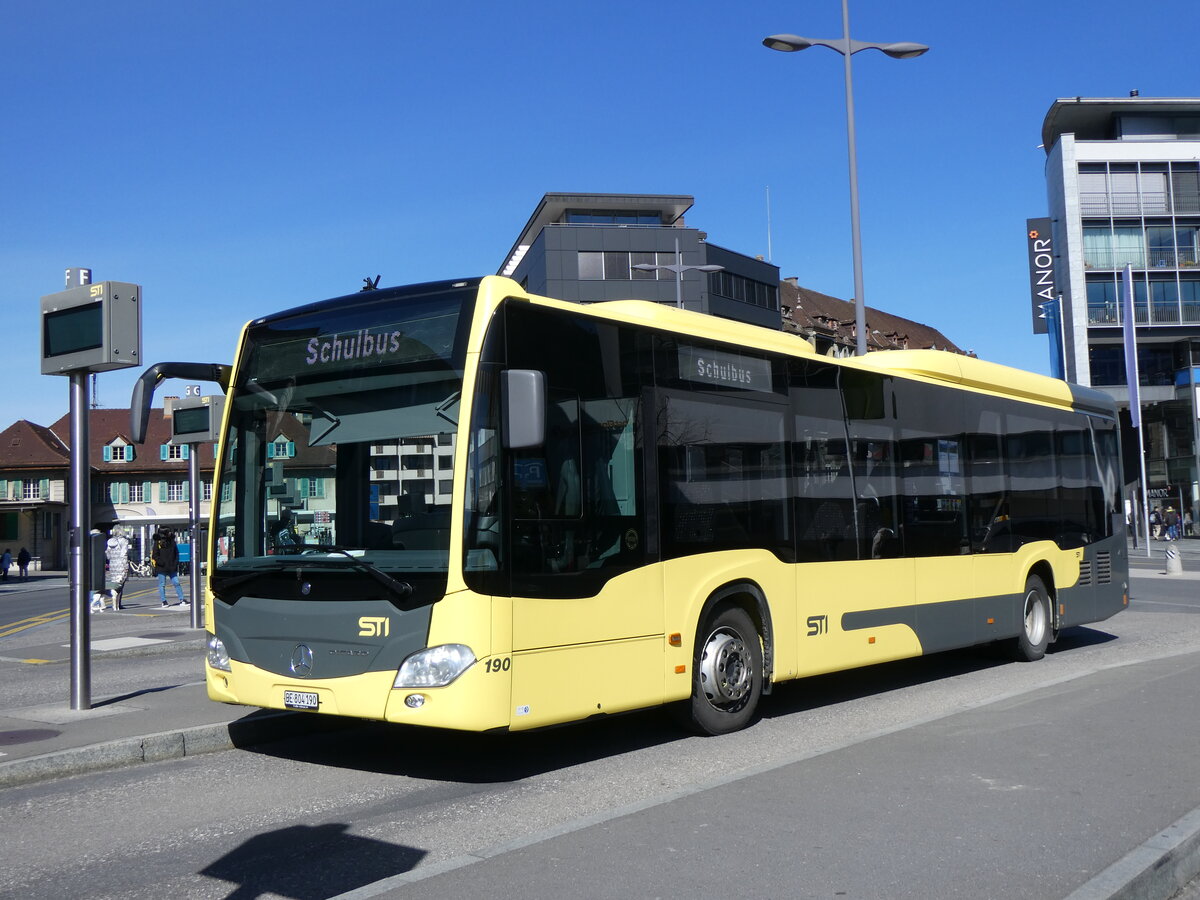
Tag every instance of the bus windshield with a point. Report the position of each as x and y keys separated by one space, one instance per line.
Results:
x=340 y=442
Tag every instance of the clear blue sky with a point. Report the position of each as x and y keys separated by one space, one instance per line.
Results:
x=237 y=158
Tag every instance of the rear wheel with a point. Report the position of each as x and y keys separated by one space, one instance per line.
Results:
x=727 y=673
x=1035 y=621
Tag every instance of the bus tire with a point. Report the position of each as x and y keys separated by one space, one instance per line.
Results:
x=727 y=673
x=1031 y=643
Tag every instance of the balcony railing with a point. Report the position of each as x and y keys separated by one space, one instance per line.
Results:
x=1131 y=203
x=1159 y=313
x=1140 y=259
x=1114 y=259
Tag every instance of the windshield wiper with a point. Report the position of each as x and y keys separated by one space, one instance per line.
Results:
x=227 y=584
x=401 y=589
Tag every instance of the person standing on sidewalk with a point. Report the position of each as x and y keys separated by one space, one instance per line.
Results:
x=116 y=551
x=23 y=559
x=5 y=564
x=165 y=558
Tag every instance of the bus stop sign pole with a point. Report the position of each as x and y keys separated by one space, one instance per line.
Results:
x=86 y=328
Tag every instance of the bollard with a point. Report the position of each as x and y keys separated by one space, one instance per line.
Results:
x=1174 y=564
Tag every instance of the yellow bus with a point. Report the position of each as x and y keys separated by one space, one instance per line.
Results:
x=459 y=505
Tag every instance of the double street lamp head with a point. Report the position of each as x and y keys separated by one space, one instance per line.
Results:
x=789 y=43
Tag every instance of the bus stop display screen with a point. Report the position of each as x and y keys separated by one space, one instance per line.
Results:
x=191 y=421
x=73 y=330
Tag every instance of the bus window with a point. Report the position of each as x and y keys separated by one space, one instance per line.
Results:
x=824 y=500
x=724 y=476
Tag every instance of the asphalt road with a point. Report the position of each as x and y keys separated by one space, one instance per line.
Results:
x=631 y=807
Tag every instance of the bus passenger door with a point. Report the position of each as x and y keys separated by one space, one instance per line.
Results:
x=587 y=614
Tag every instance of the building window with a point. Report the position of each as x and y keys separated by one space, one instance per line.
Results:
x=118 y=453
x=617 y=265
x=173 y=451
x=31 y=490
x=175 y=491
x=206 y=489
x=281 y=448
x=744 y=290
x=137 y=493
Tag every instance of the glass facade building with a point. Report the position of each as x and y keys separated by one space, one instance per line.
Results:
x=1123 y=185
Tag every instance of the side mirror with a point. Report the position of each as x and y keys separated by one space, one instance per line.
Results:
x=523 y=408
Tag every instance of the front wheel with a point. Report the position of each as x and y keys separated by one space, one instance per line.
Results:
x=727 y=673
x=1035 y=622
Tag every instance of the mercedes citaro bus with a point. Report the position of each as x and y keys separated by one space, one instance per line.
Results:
x=459 y=505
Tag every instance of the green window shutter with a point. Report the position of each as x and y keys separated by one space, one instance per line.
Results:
x=147 y=488
x=187 y=491
x=107 y=454
x=162 y=451
x=162 y=492
x=44 y=488
x=129 y=454
x=303 y=483
x=124 y=491
x=184 y=451
x=271 y=450
x=18 y=489
x=291 y=449
x=3 y=488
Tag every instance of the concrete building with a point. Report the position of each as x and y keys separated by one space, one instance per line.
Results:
x=583 y=247
x=1123 y=185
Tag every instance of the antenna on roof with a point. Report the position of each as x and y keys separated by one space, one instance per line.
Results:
x=769 y=223
x=369 y=285
x=95 y=392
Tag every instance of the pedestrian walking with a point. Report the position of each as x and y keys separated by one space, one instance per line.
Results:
x=1171 y=519
x=116 y=551
x=5 y=564
x=23 y=559
x=1155 y=523
x=1187 y=522
x=164 y=556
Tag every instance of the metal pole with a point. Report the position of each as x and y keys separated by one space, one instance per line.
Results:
x=80 y=549
x=860 y=308
x=193 y=531
x=678 y=276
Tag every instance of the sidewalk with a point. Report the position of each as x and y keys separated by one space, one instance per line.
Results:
x=161 y=712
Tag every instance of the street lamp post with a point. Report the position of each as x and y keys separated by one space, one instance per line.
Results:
x=847 y=47
x=678 y=268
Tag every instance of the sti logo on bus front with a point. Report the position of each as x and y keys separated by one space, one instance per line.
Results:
x=374 y=626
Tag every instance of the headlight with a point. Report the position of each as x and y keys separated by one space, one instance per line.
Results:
x=434 y=667
x=218 y=656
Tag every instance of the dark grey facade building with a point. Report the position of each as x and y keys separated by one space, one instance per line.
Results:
x=584 y=248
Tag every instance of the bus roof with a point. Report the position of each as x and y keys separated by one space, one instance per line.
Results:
x=924 y=365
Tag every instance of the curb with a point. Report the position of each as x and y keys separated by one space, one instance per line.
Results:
x=257 y=728
x=1153 y=871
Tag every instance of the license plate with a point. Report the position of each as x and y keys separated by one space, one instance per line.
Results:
x=300 y=700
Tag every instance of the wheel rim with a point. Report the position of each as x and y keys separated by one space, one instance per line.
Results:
x=1035 y=618
x=726 y=673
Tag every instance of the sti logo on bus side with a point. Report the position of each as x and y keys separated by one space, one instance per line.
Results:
x=818 y=625
x=374 y=626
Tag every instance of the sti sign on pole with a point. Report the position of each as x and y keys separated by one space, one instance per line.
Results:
x=85 y=329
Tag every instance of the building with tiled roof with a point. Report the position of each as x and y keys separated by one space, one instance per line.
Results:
x=828 y=324
x=33 y=492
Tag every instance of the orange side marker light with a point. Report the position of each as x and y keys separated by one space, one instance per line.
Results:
x=679 y=670
x=675 y=640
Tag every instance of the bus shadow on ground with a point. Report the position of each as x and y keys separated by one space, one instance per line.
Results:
x=819 y=691
x=469 y=758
